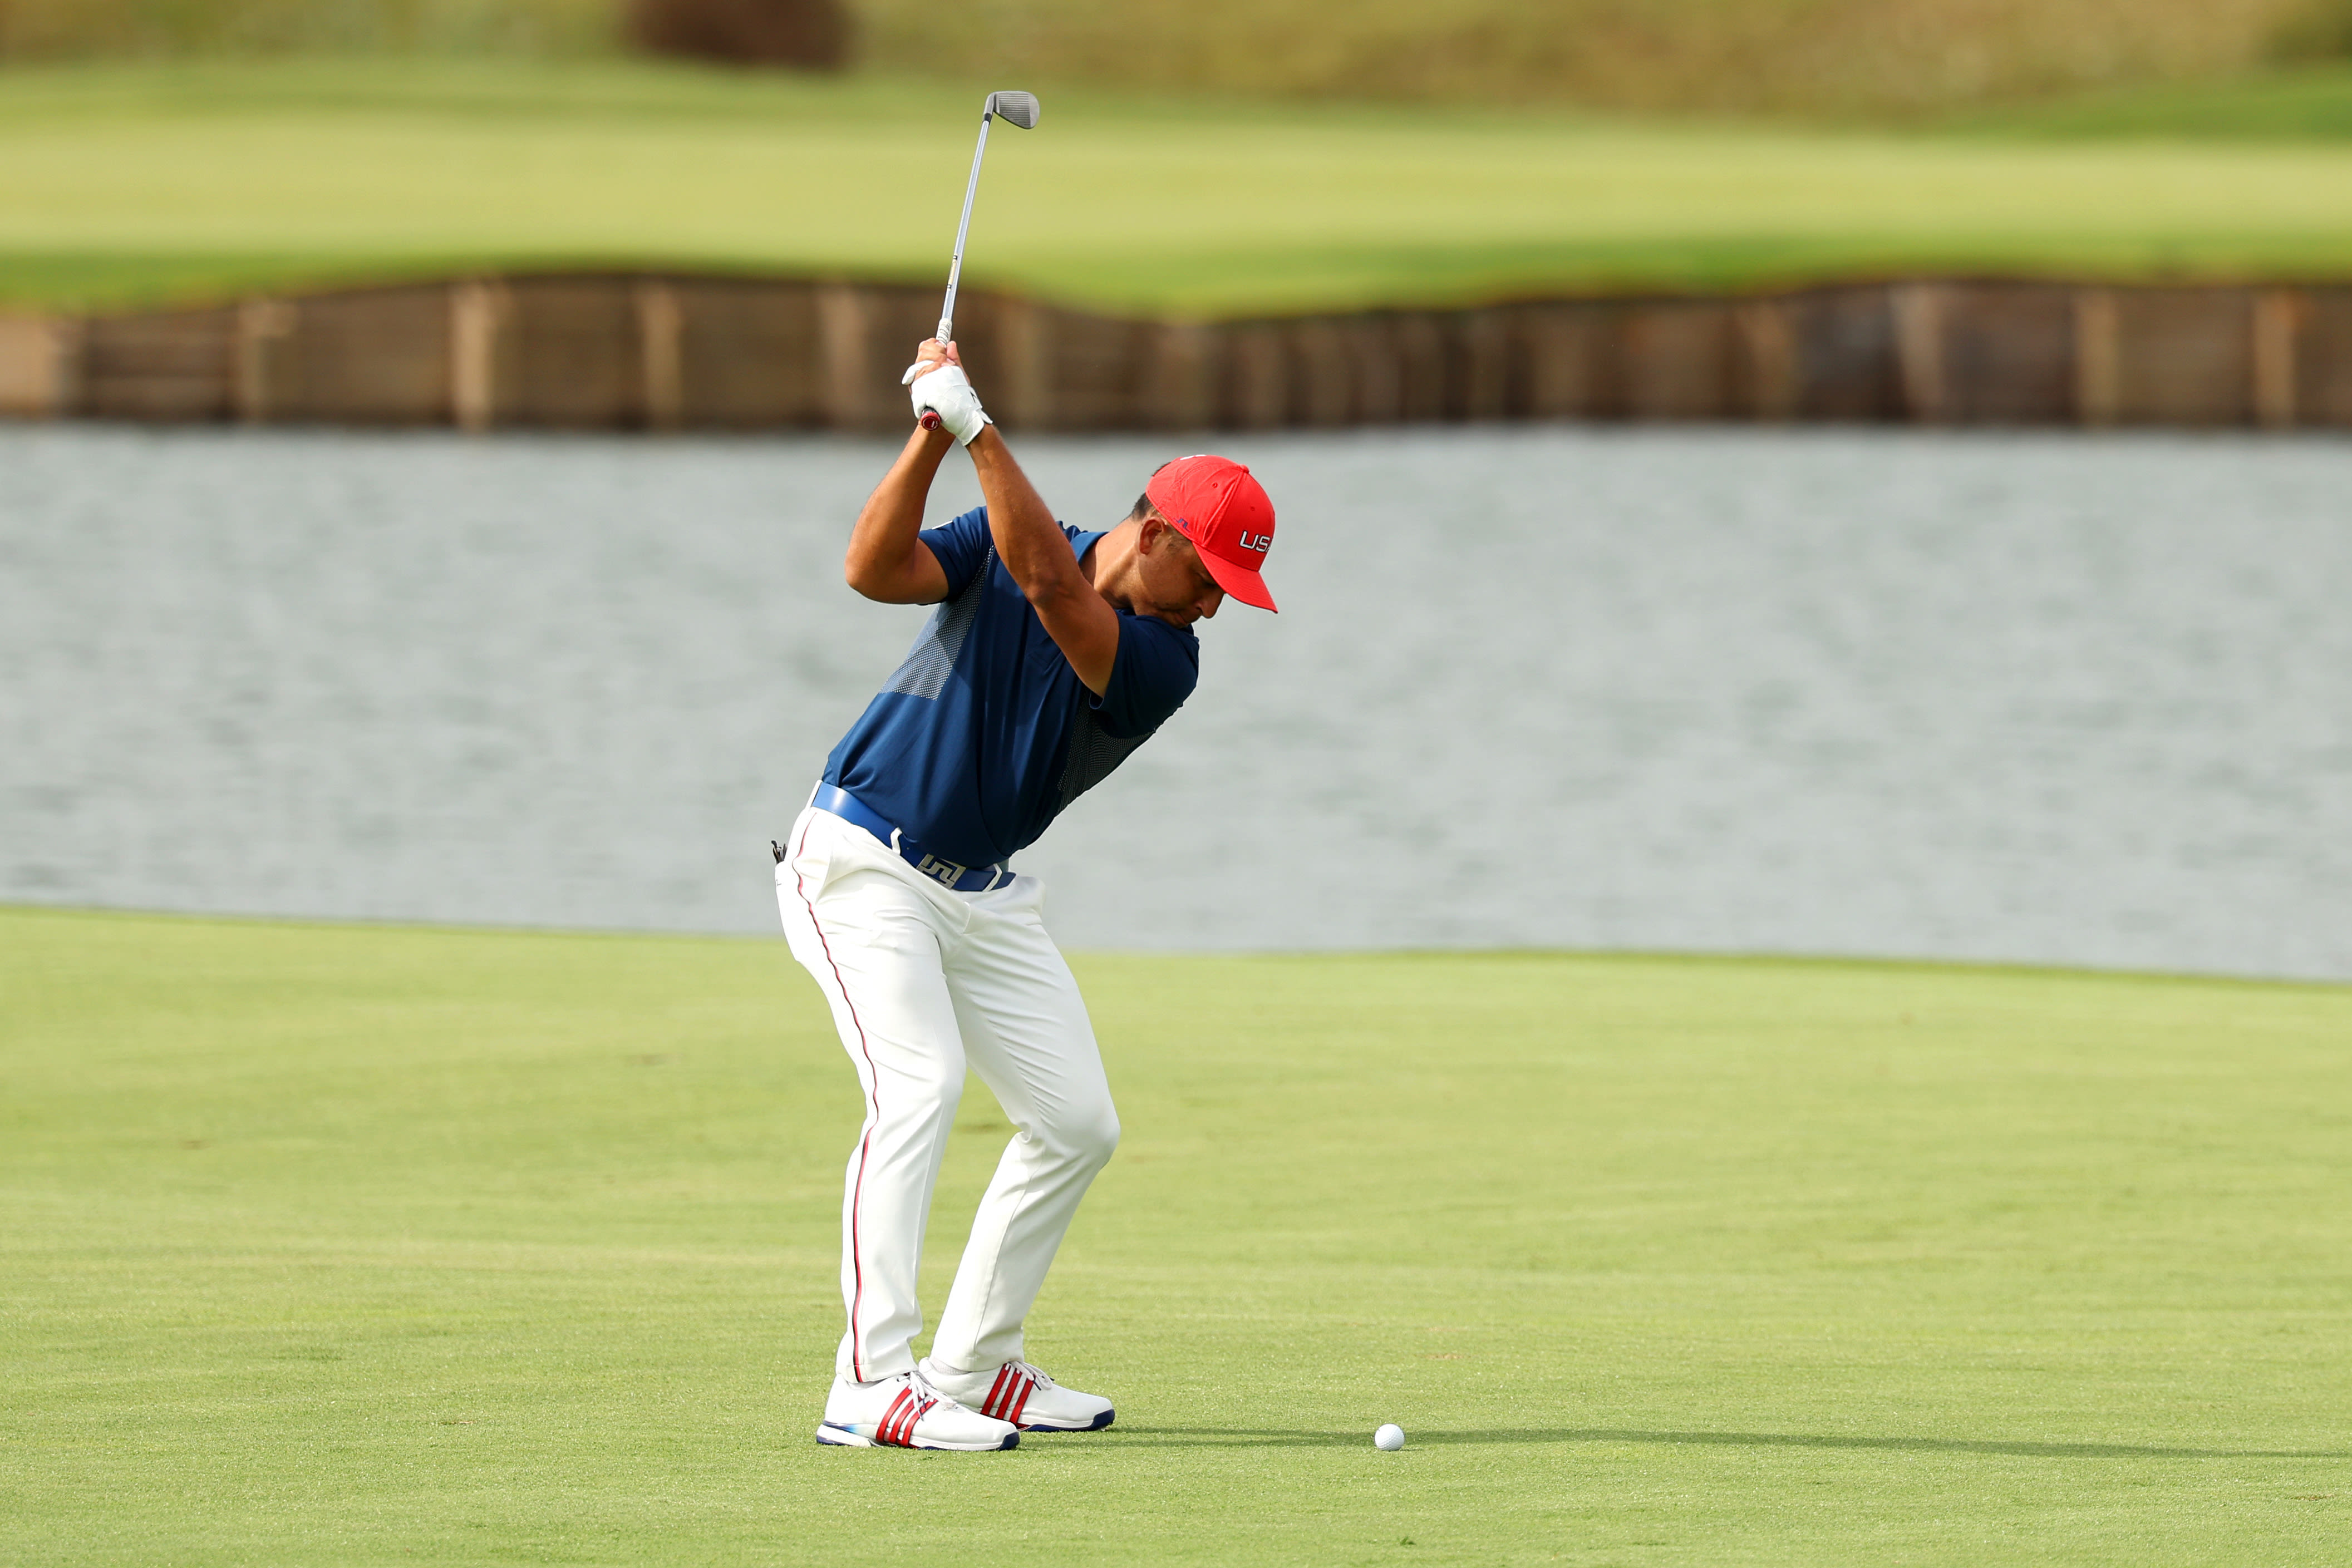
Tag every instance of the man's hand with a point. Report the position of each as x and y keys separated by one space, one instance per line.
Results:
x=931 y=355
x=939 y=387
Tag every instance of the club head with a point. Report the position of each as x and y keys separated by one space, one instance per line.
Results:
x=1016 y=108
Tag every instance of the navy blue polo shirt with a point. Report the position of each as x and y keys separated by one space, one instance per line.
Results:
x=986 y=734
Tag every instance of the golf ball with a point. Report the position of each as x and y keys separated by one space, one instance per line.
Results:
x=1390 y=1437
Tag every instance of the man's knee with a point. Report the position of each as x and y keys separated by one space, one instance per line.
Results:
x=924 y=1088
x=1086 y=1135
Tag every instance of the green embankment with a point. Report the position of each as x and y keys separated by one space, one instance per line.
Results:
x=131 y=185
x=367 y=1246
x=2280 y=107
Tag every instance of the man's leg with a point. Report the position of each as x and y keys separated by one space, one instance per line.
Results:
x=1028 y=1038
x=867 y=937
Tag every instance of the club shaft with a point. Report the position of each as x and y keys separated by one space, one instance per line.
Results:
x=963 y=226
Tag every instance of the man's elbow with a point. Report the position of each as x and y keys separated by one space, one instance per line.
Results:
x=862 y=577
x=1055 y=591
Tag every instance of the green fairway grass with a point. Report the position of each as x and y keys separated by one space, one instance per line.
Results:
x=356 y=1245
x=125 y=185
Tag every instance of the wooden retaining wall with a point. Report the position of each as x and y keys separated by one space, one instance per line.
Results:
x=610 y=352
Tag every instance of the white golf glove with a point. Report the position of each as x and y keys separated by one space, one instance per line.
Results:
x=946 y=390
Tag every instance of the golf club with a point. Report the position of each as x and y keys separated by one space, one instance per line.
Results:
x=1019 y=109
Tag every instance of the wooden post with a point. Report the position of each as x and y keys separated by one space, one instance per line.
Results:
x=367 y=356
x=843 y=318
x=570 y=355
x=1421 y=368
x=1843 y=361
x=1376 y=367
x=1259 y=395
x=38 y=359
x=1099 y=365
x=750 y=355
x=1770 y=352
x=2006 y=352
x=1327 y=380
x=1678 y=360
x=2323 y=359
x=2098 y=358
x=261 y=325
x=2278 y=319
x=1565 y=351
x=478 y=310
x=1179 y=388
x=1026 y=337
x=1485 y=365
x=661 y=326
x=1919 y=352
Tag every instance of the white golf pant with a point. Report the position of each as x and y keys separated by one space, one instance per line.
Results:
x=924 y=982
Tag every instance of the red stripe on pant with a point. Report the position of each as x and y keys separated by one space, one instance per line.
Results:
x=874 y=1095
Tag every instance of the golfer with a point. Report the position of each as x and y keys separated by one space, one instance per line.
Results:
x=1053 y=653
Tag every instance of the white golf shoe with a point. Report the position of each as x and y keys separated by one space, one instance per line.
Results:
x=907 y=1412
x=1023 y=1395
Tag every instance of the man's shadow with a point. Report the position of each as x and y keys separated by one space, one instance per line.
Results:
x=1293 y=1437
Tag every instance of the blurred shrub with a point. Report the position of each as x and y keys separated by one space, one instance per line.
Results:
x=2319 y=31
x=1873 y=57
x=812 y=35
x=35 y=29
x=1862 y=56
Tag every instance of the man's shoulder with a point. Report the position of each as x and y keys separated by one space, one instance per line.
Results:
x=1166 y=634
x=1156 y=655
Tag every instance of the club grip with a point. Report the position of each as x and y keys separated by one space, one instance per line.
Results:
x=930 y=420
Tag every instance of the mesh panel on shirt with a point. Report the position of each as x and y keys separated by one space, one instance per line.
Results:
x=932 y=658
x=1095 y=753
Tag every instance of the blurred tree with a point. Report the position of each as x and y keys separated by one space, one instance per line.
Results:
x=2322 y=30
x=1875 y=57
x=54 y=30
x=809 y=34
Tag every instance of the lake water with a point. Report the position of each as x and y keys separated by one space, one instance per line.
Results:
x=2058 y=698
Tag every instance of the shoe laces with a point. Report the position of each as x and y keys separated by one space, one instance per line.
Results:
x=1036 y=1373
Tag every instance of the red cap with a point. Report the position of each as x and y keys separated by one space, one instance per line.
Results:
x=1214 y=503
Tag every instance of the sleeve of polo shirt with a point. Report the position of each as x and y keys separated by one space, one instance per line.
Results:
x=1155 y=669
x=960 y=547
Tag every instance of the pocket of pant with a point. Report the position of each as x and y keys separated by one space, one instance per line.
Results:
x=808 y=866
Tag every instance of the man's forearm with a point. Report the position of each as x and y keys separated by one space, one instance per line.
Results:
x=1037 y=553
x=885 y=559
x=1028 y=540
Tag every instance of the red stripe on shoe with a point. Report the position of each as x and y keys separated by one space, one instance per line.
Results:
x=885 y=1430
x=988 y=1406
x=865 y=1140
x=1019 y=1399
